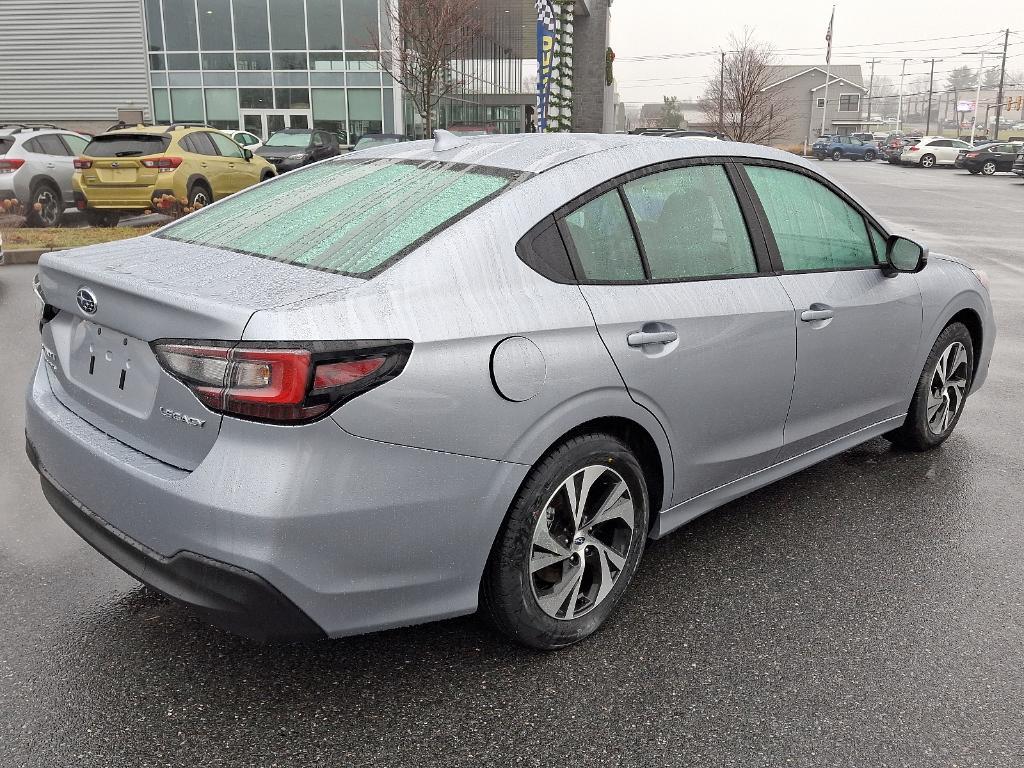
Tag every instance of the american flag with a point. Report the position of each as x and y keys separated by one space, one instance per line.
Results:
x=828 y=35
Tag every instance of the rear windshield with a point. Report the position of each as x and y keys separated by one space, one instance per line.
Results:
x=346 y=216
x=5 y=144
x=127 y=145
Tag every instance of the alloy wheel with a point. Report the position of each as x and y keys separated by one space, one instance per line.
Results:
x=581 y=542
x=988 y=168
x=48 y=212
x=927 y=161
x=199 y=199
x=948 y=388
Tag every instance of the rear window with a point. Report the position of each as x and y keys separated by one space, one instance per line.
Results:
x=127 y=145
x=5 y=144
x=346 y=216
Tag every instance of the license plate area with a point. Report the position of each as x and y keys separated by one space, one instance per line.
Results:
x=114 y=367
x=117 y=175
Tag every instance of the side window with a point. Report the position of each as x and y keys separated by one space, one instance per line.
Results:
x=76 y=144
x=603 y=240
x=814 y=228
x=318 y=140
x=52 y=145
x=201 y=143
x=880 y=243
x=690 y=223
x=33 y=145
x=226 y=146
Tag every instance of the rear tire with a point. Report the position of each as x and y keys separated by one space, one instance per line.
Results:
x=837 y=155
x=102 y=218
x=51 y=205
x=989 y=168
x=869 y=155
x=928 y=161
x=941 y=392
x=554 y=577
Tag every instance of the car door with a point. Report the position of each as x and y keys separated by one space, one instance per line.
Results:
x=950 y=149
x=241 y=173
x=211 y=164
x=1005 y=155
x=320 y=146
x=858 y=326
x=702 y=337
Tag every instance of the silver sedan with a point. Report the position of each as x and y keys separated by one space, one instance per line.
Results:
x=479 y=372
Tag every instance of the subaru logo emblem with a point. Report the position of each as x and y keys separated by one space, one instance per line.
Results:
x=115 y=165
x=87 y=301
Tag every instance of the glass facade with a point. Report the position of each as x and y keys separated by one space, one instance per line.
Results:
x=262 y=65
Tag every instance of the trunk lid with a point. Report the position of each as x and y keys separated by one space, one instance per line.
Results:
x=100 y=363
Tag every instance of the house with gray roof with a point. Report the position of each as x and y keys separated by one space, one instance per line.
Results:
x=800 y=90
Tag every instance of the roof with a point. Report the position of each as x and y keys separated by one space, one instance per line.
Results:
x=851 y=73
x=539 y=152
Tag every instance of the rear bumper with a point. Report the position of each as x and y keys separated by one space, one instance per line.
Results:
x=356 y=534
x=226 y=596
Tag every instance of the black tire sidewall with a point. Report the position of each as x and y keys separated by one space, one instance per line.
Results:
x=195 y=189
x=915 y=433
x=507 y=589
x=837 y=155
x=33 y=217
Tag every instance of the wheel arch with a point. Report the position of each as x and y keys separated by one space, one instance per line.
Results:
x=972 y=320
x=198 y=178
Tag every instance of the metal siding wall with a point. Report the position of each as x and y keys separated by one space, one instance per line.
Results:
x=66 y=60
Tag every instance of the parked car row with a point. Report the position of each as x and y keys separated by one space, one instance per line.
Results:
x=990 y=158
x=132 y=169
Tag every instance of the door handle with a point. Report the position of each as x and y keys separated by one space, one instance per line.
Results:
x=640 y=338
x=50 y=165
x=810 y=315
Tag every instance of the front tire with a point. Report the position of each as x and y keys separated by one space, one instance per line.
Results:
x=570 y=545
x=941 y=392
x=837 y=155
x=869 y=156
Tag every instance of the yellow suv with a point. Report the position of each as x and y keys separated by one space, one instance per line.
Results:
x=136 y=169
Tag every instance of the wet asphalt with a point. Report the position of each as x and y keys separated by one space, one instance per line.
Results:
x=865 y=612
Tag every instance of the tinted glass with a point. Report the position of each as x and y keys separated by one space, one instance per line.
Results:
x=287 y=24
x=187 y=105
x=360 y=24
x=282 y=139
x=215 y=25
x=603 y=240
x=880 y=243
x=341 y=216
x=126 y=145
x=154 y=26
x=33 y=145
x=225 y=146
x=5 y=144
x=690 y=223
x=201 y=144
x=217 y=61
x=251 y=29
x=255 y=98
x=814 y=228
x=323 y=24
x=180 y=25
x=52 y=145
x=76 y=144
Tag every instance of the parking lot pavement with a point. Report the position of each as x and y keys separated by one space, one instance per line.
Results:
x=865 y=612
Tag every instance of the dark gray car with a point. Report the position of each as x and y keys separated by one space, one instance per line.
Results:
x=400 y=385
x=293 y=148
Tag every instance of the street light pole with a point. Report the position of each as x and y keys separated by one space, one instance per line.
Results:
x=931 y=82
x=899 y=107
x=871 y=85
x=1002 y=81
x=721 y=94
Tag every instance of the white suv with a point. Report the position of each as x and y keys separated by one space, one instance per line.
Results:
x=932 y=151
x=36 y=166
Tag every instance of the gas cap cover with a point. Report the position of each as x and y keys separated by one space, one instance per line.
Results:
x=518 y=369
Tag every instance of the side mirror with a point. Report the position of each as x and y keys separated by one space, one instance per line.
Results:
x=904 y=255
x=247 y=154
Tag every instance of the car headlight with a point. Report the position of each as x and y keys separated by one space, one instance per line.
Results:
x=982 y=276
x=296 y=156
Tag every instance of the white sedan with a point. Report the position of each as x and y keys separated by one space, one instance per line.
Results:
x=932 y=151
x=245 y=139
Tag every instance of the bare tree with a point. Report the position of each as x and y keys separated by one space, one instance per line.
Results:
x=749 y=110
x=429 y=38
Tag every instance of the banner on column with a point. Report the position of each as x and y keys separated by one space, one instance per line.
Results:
x=554 y=64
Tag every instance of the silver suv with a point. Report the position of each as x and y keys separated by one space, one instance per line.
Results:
x=36 y=165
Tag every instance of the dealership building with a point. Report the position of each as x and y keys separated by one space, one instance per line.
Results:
x=262 y=65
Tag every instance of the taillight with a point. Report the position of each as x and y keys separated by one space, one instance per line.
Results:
x=281 y=383
x=972 y=154
x=913 y=148
x=82 y=164
x=162 y=163
x=10 y=165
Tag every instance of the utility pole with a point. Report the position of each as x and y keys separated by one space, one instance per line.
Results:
x=931 y=81
x=871 y=85
x=1002 y=80
x=899 y=106
x=721 y=94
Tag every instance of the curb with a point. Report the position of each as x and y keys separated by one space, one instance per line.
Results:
x=22 y=256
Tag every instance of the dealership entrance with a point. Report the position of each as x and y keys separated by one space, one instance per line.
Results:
x=264 y=122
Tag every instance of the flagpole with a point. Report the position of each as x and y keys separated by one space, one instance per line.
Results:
x=828 y=69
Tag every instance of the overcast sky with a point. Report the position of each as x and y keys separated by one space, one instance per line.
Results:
x=656 y=27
